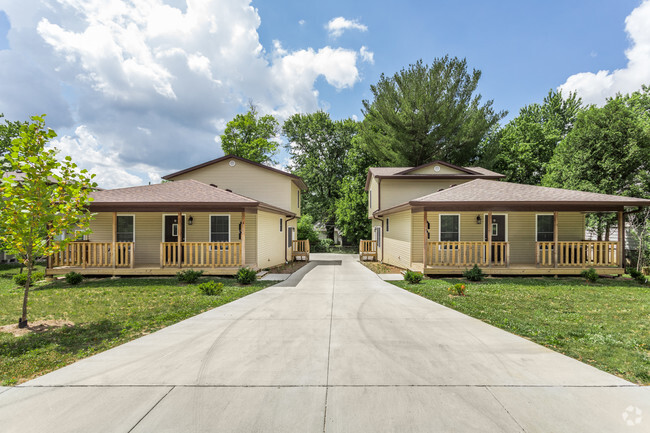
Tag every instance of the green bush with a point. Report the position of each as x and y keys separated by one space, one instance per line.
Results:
x=457 y=289
x=305 y=230
x=325 y=245
x=590 y=275
x=21 y=279
x=413 y=277
x=73 y=278
x=637 y=275
x=474 y=274
x=646 y=270
x=246 y=275
x=211 y=288
x=189 y=276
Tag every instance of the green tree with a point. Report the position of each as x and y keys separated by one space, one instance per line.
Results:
x=250 y=136
x=8 y=131
x=306 y=230
x=522 y=149
x=318 y=146
x=607 y=151
x=51 y=198
x=424 y=113
x=352 y=206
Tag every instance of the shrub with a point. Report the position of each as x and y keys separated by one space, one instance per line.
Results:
x=189 y=276
x=413 y=277
x=646 y=270
x=474 y=274
x=590 y=275
x=21 y=279
x=305 y=230
x=73 y=278
x=246 y=275
x=211 y=288
x=637 y=275
x=457 y=289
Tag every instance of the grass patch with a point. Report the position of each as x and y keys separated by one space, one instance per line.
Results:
x=106 y=313
x=605 y=324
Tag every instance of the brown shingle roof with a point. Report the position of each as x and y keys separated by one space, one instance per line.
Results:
x=406 y=173
x=481 y=194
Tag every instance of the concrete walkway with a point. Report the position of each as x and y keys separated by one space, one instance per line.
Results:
x=340 y=351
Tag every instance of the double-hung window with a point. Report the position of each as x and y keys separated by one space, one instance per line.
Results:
x=449 y=228
x=125 y=228
x=219 y=228
x=545 y=225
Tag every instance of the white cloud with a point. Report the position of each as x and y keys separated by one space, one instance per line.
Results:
x=154 y=80
x=367 y=55
x=336 y=26
x=595 y=88
x=301 y=22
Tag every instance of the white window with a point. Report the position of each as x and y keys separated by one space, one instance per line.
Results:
x=545 y=224
x=449 y=228
x=219 y=228
x=126 y=228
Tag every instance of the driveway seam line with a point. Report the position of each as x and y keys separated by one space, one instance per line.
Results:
x=329 y=352
x=152 y=408
x=504 y=408
x=321 y=386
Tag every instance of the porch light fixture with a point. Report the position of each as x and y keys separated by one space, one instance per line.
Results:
x=190 y=221
x=478 y=219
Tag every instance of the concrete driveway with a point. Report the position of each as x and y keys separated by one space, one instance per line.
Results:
x=339 y=351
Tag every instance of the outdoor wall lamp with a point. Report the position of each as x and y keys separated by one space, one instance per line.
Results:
x=190 y=221
x=478 y=219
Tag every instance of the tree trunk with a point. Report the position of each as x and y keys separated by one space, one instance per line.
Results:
x=22 y=323
x=599 y=228
x=607 y=231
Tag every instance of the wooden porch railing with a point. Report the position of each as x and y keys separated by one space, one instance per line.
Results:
x=93 y=255
x=367 y=249
x=577 y=254
x=201 y=254
x=466 y=253
x=300 y=249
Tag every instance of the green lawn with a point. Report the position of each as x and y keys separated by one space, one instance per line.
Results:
x=106 y=313
x=605 y=324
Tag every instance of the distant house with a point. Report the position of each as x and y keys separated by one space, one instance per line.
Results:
x=441 y=219
x=216 y=216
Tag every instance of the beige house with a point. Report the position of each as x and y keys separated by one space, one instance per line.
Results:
x=217 y=216
x=442 y=219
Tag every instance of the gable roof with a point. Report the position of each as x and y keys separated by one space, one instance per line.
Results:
x=484 y=195
x=296 y=179
x=180 y=195
x=407 y=173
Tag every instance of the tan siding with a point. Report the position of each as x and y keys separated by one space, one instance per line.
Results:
x=443 y=170
x=102 y=227
x=521 y=235
x=294 y=199
x=417 y=236
x=247 y=180
x=570 y=226
x=270 y=240
x=373 y=196
x=251 y=239
x=397 y=241
x=397 y=191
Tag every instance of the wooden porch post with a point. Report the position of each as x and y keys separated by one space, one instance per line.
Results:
x=113 y=256
x=555 y=252
x=180 y=239
x=425 y=243
x=621 y=239
x=243 y=239
x=488 y=226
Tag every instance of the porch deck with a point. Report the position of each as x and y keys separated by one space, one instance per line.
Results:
x=521 y=269
x=150 y=269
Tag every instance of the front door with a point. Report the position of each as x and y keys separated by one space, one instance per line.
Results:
x=498 y=227
x=171 y=233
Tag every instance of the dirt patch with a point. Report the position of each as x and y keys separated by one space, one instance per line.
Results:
x=36 y=327
x=288 y=268
x=382 y=268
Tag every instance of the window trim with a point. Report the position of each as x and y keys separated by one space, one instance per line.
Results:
x=485 y=217
x=537 y=215
x=210 y=226
x=116 y=232
x=290 y=236
x=440 y=226
x=377 y=232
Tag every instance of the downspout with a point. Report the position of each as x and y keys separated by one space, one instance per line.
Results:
x=286 y=236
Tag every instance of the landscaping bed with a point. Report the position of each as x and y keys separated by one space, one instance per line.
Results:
x=104 y=313
x=605 y=324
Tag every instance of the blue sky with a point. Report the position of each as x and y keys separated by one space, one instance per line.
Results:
x=140 y=89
